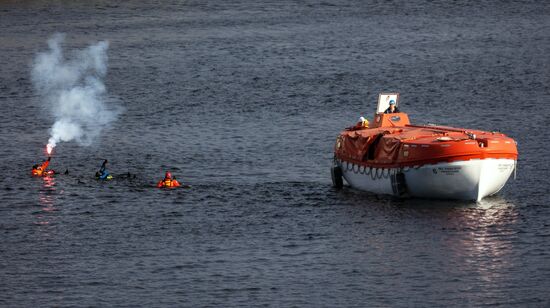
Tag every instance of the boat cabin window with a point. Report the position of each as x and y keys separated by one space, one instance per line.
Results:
x=384 y=101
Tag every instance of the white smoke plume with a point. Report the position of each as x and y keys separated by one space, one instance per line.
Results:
x=75 y=91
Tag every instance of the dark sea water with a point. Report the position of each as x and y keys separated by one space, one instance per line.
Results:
x=243 y=100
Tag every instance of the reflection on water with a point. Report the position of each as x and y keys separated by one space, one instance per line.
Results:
x=46 y=198
x=494 y=202
x=479 y=240
x=476 y=238
x=420 y=203
x=488 y=242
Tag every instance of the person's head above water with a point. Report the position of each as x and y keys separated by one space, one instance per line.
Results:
x=168 y=175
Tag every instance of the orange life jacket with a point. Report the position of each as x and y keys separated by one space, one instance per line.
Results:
x=37 y=172
x=41 y=171
x=168 y=183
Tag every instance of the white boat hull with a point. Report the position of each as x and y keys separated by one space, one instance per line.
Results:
x=465 y=180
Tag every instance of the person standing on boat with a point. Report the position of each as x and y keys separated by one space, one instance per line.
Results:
x=392 y=108
x=363 y=122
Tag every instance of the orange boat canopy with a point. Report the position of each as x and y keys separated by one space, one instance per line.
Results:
x=393 y=142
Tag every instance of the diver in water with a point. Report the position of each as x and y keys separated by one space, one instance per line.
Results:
x=41 y=170
x=168 y=181
x=103 y=174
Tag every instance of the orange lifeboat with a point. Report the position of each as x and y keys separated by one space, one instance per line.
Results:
x=395 y=157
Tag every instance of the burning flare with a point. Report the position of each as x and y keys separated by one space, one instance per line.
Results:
x=49 y=149
x=74 y=90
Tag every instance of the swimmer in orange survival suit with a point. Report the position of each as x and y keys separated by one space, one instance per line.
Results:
x=168 y=181
x=41 y=170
